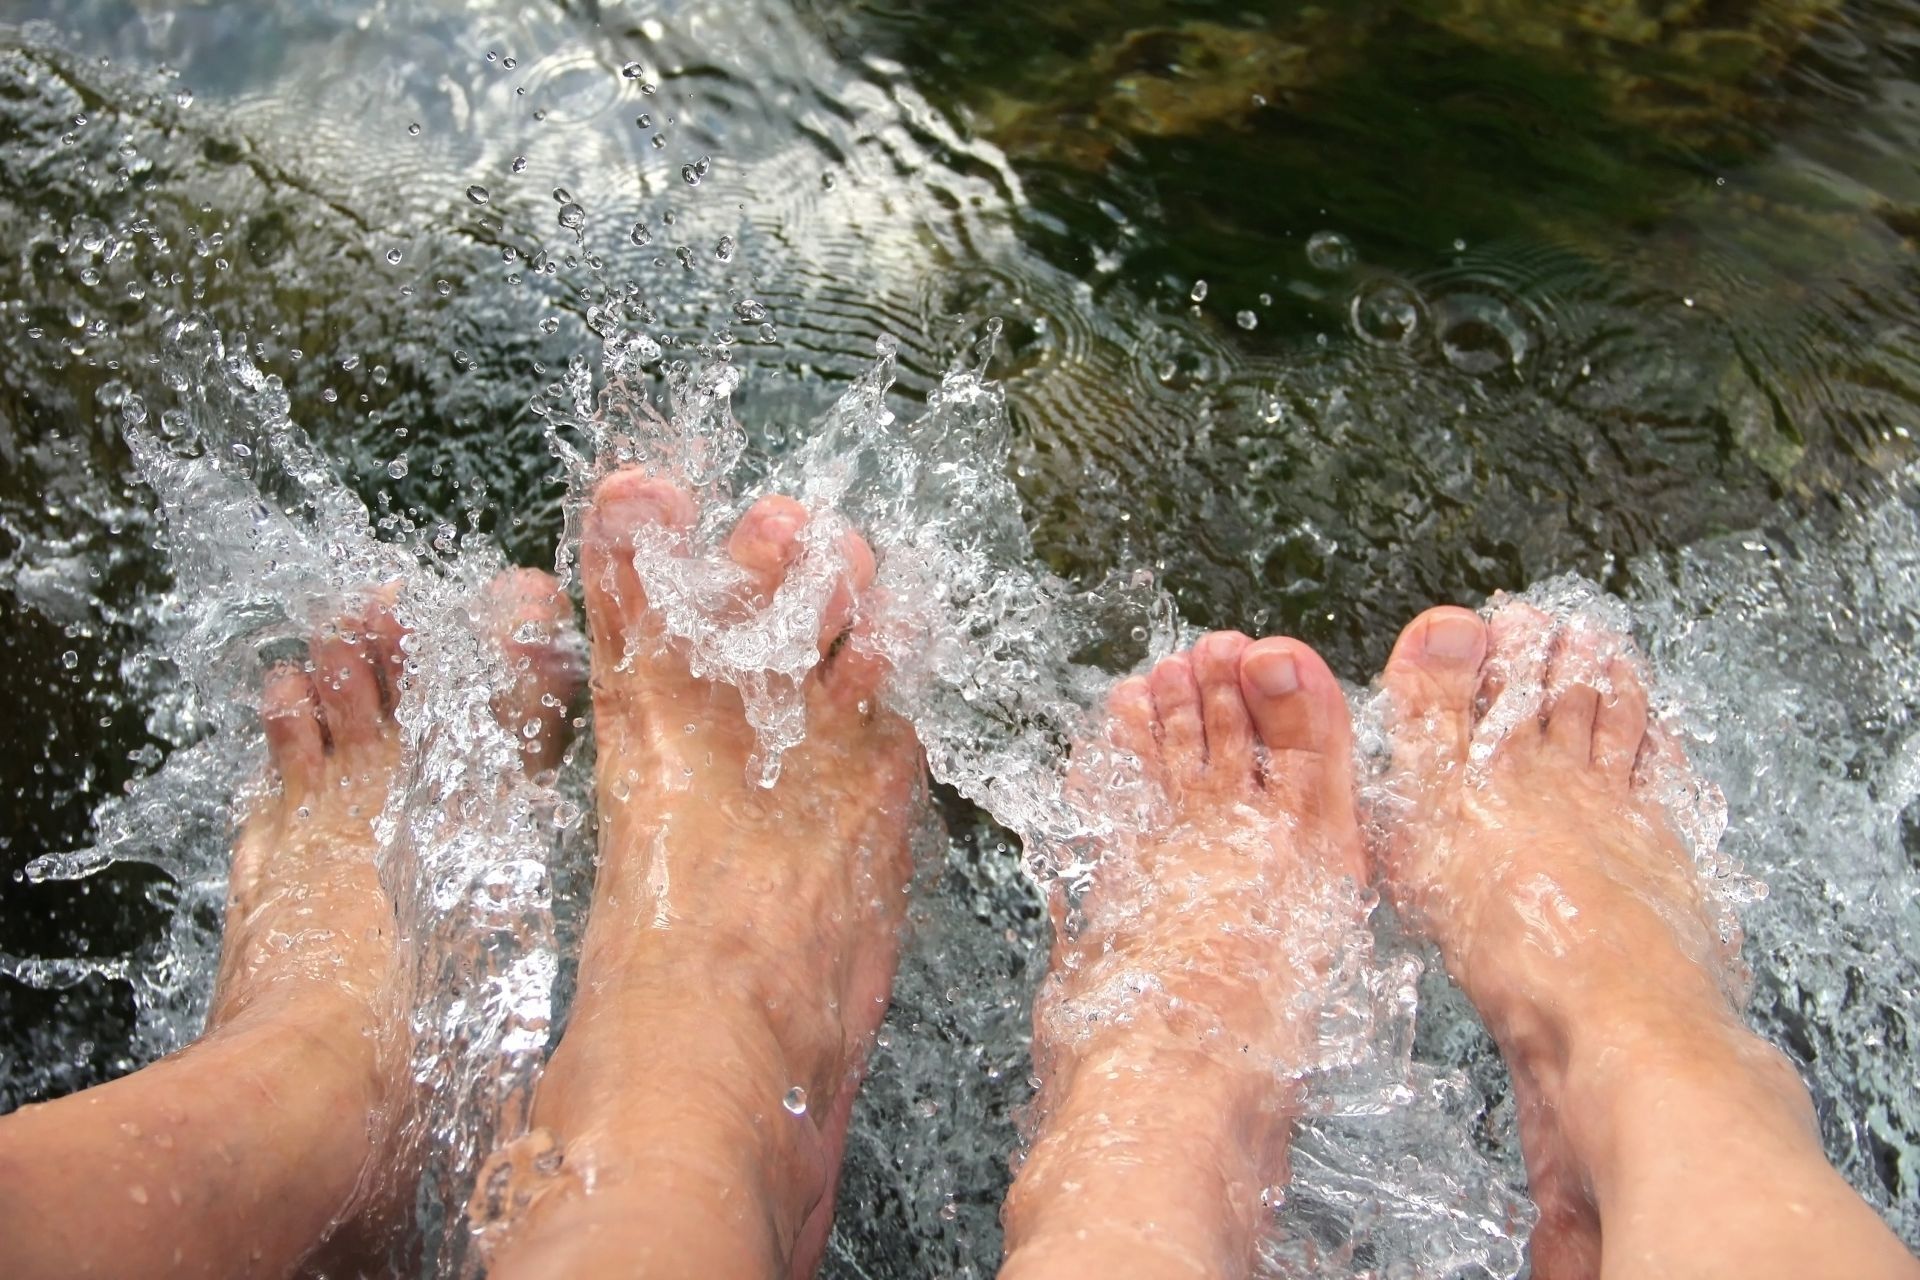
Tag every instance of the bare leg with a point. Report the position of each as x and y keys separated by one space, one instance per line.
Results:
x=236 y=1155
x=1178 y=1016
x=741 y=946
x=1662 y=1137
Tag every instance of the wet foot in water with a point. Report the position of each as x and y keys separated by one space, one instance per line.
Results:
x=742 y=941
x=235 y=1155
x=1522 y=830
x=1183 y=1004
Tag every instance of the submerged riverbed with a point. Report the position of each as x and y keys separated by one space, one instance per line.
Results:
x=1317 y=319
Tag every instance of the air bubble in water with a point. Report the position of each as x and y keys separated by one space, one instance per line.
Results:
x=478 y=194
x=1330 y=251
x=795 y=1101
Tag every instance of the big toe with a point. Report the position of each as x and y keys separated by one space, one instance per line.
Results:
x=1300 y=714
x=1432 y=678
x=542 y=645
x=629 y=510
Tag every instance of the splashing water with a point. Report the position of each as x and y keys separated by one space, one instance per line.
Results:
x=263 y=543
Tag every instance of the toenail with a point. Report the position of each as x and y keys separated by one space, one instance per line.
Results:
x=1453 y=636
x=1273 y=673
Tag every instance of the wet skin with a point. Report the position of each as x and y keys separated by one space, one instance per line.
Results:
x=238 y=1154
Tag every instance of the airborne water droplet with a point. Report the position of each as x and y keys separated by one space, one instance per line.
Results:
x=723 y=249
x=633 y=71
x=572 y=217
x=795 y=1101
x=519 y=164
x=640 y=235
x=413 y=130
x=1199 y=291
x=398 y=467
x=1247 y=320
x=1330 y=251
x=478 y=194
x=393 y=257
x=691 y=176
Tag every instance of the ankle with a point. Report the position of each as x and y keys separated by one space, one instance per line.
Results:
x=1157 y=1154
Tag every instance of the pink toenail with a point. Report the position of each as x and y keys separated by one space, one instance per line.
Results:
x=1273 y=673
x=1453 y=636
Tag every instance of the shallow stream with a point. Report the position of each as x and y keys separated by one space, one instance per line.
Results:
x=1305 y=320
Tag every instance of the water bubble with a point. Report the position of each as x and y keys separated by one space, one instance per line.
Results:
x=1247 y=320
x=767 y=333
x=1330 y=251
x=70 y=659
x=723 y=249
x=572 y=217
x=393 y=257
x=1199 y=291
x=633 y=71
x=643 y=121
x=183 y=98
x=795 y=1101
x=1386 y=313
x=414 y=129
x=685 y=254
x=750 y=310
x=640 y=235
x=443 y=287
x=398 y=467
x=519 y=164
x=477 y=194
x=690 y=175
x=510 y=63
x=550 y=325
x=659 y=141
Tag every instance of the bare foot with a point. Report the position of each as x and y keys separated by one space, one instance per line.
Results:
x=236 y=1155
x=742 y=941
x=1183 y=1005
x=1522 y=830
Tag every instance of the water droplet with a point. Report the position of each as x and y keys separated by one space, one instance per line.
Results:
x=1330 y=251
x=477 y=194
x=393 y=257
x=550 y=325
x=633 y=71
x=795 y=1101
x=562 y=196
x=443 y=287
x=414 y=129
x=690 y=175
x=1247 y=320
x=723 y=249
x=640 y=235
x=750 y=310
x=398 y=467
x=183 y=98
x=572 y=217
x=767 y=333
x=519 y=164
x=1199 y=291
x=659 y=141
x=1386 y=313
x=643 y=121
x=510 y=63
x=70 y=660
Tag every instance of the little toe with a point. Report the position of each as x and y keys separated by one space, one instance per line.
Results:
x=1434 y=674
x=290 y=712
x=627 y=506
x=1216 y=665
x=541 y=644
x=344 y=659
x=1620 y=727
x=1183 y=733
x=1301 y=715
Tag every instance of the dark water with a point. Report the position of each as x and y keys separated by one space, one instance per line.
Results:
x=1323 y=314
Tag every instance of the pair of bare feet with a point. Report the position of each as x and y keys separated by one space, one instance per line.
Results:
x=742 y=944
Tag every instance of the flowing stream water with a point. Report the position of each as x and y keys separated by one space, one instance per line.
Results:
x=1139 y=328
